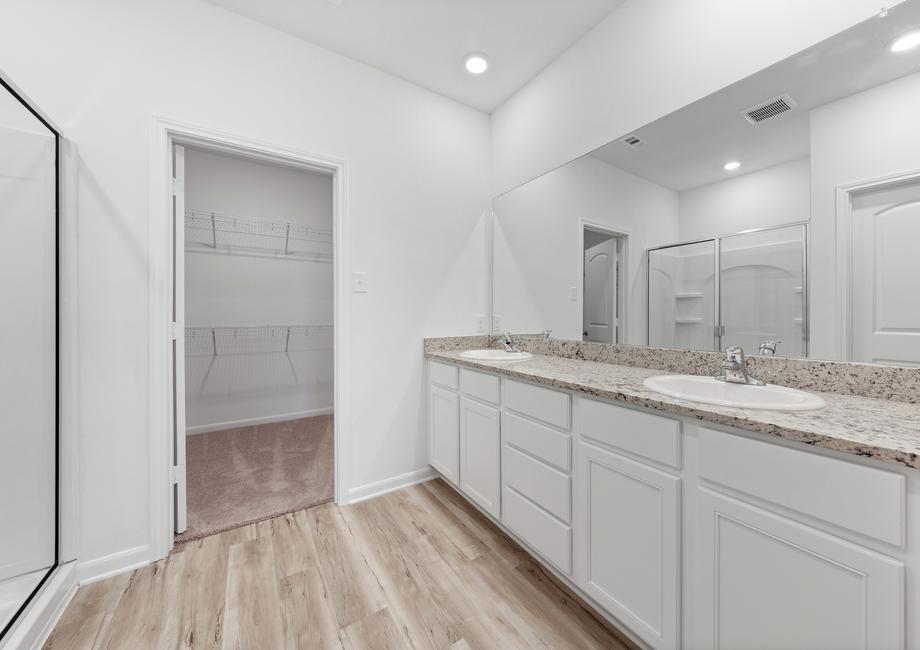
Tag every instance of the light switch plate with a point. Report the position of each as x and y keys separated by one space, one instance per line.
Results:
x=496 y=324
x=359 y=282
x=573 y=294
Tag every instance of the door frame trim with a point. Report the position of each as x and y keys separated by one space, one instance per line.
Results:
x=844 y=248
x=623 y=256
x=163 y=134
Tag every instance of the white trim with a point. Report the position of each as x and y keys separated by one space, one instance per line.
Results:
x=69 y=351
x=265 y=419
x=163 y=133
x=379 y=488
x=844 y=248
x=622 y=276
x=36 y=623
x=112 y=565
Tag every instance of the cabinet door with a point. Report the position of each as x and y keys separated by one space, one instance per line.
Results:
x=770 y=582
x=480 y=454
x=627 y=542
x=444 y=433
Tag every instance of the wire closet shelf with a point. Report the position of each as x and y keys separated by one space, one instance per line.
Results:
x=220 y=341
x=221 y=232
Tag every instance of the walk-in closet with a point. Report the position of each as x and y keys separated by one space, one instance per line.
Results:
x=257 y=278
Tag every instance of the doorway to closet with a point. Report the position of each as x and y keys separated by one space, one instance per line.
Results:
x=253 y=302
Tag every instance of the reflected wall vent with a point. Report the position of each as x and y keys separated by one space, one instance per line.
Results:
x=633 y=140
x=772 y=108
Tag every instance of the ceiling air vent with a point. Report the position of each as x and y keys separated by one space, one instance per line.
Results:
x=772 y=108
x=634 y=140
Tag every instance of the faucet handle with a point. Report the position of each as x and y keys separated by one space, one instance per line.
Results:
x=733 y=352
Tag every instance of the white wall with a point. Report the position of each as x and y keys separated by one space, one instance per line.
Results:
x=247 y=290
x=769 y=197
x=417 y=188
x=537 y=254
x=647 y=59
x=866 y=136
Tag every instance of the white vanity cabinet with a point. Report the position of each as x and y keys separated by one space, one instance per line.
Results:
x=480 y=439
x=769 y=582
x=627 y=525
x=444 y=420
x=686 y=534
x=536 y=469
x=771 y=525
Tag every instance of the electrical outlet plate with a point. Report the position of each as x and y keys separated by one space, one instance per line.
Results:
x=496 y=324
x=480 y=324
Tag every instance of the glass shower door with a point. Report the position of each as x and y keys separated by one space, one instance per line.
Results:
x=682 y=296
x=28 y=374
x=762 y=287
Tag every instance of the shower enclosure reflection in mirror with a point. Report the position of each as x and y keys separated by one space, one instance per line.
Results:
x=814 y=159
x=29 y=389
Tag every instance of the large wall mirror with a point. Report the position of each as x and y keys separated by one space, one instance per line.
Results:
x=28 y=373
x=780 y=212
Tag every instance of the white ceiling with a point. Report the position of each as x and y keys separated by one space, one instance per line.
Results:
x=425 y=41
x=687 y=148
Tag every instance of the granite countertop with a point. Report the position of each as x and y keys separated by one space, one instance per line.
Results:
x=874 y=428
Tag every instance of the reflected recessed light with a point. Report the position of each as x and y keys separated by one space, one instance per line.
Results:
x=905 y=42
x=731 y=166
x=476 y=63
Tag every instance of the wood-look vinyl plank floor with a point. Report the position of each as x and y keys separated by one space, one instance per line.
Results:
x=417 y=568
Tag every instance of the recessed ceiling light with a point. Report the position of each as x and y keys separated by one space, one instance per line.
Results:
x=476 y=63
x=905 y=42
x=731 y=165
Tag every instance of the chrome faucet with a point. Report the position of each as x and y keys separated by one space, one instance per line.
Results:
x=507 y=343
x=769 y=347
x=547 y=333
x=734 y=368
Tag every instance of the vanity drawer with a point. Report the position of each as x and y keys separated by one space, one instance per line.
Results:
x=859 y=498
x=651 y=436
x=443 y=374
x=547 y=487
x=544 y=404
x=541 y=442
x=546 y=534
x=480 y=385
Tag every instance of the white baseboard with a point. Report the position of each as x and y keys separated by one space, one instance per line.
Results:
x=248 y=422
x=378 y=488
x=112 y=565
x=36 y=623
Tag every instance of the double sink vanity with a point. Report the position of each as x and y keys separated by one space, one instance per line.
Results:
x=688 y=522
x=778 y=505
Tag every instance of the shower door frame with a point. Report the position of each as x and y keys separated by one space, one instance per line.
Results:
x=7 y=630
x=719 y=330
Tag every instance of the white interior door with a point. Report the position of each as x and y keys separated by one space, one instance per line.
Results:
x=885 y=306
x=178 y=342
x=600 y=293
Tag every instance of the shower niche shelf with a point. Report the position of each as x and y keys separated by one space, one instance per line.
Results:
x=218 y=232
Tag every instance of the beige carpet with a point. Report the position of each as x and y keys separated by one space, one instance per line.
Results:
x=238 y=476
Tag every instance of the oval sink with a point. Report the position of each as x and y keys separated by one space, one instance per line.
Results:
x=708 y=390
x=495 y=355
